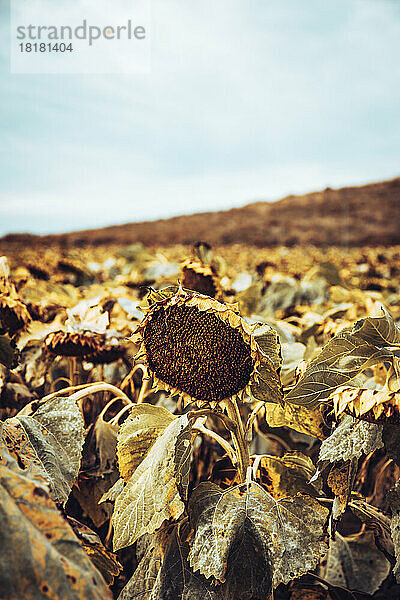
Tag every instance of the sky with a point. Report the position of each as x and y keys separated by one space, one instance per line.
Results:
x=245 y=101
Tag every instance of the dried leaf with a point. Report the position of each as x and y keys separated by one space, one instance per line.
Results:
x=62 y=417
x=106 y=445
x=47 y=560
x=183 y=452
x=150 y=496
x=268 y=340
x=360 y=402
x=138 y=433
x=90 y=491
x=350 y=440
x=104 y=560
x=394 y=501
x=268 y=388
x=299 y=418
x=50 y=444
x=391 y=440
x=340 y=480
x=39 y=452
x=274 y=541
x=164 y=572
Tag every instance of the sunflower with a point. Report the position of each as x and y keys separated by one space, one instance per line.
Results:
x=374 y=406
x=63 y=343
x=199 y=277
x=14 y=315
x=198 y=347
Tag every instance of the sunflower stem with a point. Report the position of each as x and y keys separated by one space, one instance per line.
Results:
x=238 y=438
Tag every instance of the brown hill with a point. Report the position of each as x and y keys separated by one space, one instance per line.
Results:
x=352 y=216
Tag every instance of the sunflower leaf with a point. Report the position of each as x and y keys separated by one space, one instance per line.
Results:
x=150 y=496
x=253 y=537
x=346 y=355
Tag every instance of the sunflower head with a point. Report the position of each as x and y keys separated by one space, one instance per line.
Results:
x=107 y=353
x=201 y=278
x=373 y=406
x=199 y=347
x=14 y=315
x=63 y=343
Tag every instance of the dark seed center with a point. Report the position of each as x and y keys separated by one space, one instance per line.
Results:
x=197 y=353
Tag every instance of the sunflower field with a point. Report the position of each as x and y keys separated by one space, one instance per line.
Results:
x=199 y=423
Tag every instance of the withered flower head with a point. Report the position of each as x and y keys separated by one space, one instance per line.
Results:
x=62 y=343
x=201 y=278
x=368 y=405
x=14 y=315
x=198 y=347
x=107 y=353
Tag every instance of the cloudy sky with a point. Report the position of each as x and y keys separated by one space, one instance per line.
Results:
x=246 y=100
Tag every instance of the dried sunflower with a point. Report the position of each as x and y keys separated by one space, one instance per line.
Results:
x=107 y=353
x=198 y=347
x=200 y=277
x=373 y=406
x=62 y=343
x=14 y=315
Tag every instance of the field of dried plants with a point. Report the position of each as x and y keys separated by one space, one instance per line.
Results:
x=199 y=423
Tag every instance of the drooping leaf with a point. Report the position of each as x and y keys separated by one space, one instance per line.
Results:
x=361 y=402
x=89 y=492
x=268 y=388
x=288 y=475
x=347 y=354
x=62 y=417
x=151 y=495
x=46 y=560
x=106 y=445
x=394 y=502
x=276 y=540
x=391 y=441
x=343 y=448
x=341 y=480
x=268 y=340
x=138 y=434
x=164 y=572
x=299 y=418
x=354 y=562
x=377 y=522
x=49 y=443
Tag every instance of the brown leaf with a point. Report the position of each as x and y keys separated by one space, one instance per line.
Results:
x=288 y=475
x=299 y=418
